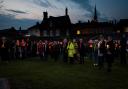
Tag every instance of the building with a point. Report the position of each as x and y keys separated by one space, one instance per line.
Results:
x=10 y=32
x=34 y=30
x=122 y=25
x=62 y=27
x=93 y=27
x=52 y=26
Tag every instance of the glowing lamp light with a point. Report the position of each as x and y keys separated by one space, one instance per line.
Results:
x=78 y=32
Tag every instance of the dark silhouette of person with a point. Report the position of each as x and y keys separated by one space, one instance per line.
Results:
x=40 y=49
x=55 y=51
x=65 y=52
x=101 y=52
x=123 y=49
x=4 y=49
x=81 y=49
x=110 y=49
x=12 y=47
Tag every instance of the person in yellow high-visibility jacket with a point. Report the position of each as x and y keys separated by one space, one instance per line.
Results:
x=71 y=51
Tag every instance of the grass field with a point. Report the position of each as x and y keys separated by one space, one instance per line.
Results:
x=36 y=74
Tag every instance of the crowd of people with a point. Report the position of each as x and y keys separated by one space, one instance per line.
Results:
x=70 y=50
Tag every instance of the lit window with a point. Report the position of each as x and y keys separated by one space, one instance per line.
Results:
x=126 y=29
x=57 y=32
x=45 y=33
x=78 y=32
x=51 y=33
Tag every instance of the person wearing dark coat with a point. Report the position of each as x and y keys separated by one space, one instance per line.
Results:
x=65 y=52
x=55 y=51
x=123 y=50
x=110 y=49
x=101 y=52
x=46 y=50
x=12 y=47
x=40 y=49
x=34 y=48
x=4 y=49
x=81 y=49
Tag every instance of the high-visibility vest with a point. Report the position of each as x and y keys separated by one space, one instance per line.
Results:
x=71 y=46
x=71 y=49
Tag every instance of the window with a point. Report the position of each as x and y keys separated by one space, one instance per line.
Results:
x=45 y=33
x=126 y=29
x=57 y=32
x=51 y=33
x=51 y=24
x=67 y=33
x=78 y=32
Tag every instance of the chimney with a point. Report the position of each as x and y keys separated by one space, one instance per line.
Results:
x=45 y=15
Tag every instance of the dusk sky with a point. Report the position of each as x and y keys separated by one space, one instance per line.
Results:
x=26 y=13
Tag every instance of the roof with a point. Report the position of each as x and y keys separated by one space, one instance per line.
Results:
x=60 y=21
x=12 y=32
x=93 y=25
x=35 y=26
x=56 y=22
x=123 y=22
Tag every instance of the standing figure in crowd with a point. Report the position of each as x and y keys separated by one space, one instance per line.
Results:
x=40 y=49
x=46 y=50
x=34 y=48
x=117 y=49
x=28 y=48
x=12 y=50
x=101 y=52
x=95 y=52
x=90 y=48
x=4 y=49
x=71 y=51
x=51 y=49
x=81 y=51
x=65 y=52
x=18 y=49
x=56 y=51
x=123 y=50
x=23 y=48
x=110 y=49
